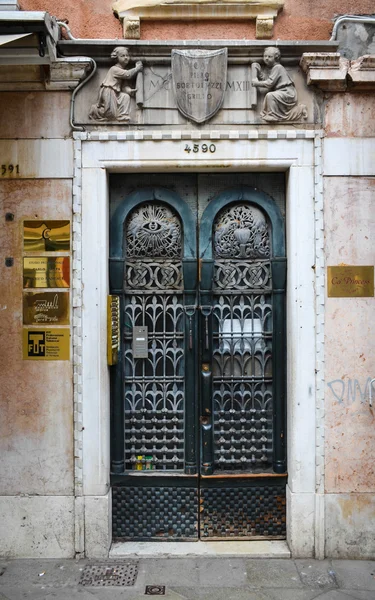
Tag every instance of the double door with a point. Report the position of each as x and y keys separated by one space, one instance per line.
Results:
x=198 y=398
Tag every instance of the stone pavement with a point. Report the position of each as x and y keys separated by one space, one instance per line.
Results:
x=190 y=578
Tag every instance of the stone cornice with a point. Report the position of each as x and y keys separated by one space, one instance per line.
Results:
x=361 y=73
x=330 y=72
x=131 y=12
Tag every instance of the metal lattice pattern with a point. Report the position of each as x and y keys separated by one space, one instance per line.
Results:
x=154 y=386
x=153 y=230
x=154 y=392
x=152 y=274
x=242 y=276
x=241 y=231
x=242 y=382
x=242 y=341
x=239 y=512
x=123 y=575
x=144 y=513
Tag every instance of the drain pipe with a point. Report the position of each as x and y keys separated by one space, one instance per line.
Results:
x=351 y=19
x=61 y=24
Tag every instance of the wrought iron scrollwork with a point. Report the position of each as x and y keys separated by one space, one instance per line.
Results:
x=241 y=231
x=154 y=386
x=242 y=341
x=153 y=230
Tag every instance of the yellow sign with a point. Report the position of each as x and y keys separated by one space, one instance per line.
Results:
x=46 y=236
x=350 y=281
x=46 y=272
x=46 y=308
x=46 y=344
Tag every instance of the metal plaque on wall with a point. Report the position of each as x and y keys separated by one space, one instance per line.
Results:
x=46 y=272
x=350 y=281
x=46 y=236
x=46 y=307
x=46 y=344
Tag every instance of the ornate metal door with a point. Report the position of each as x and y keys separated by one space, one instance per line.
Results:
x=198 y=431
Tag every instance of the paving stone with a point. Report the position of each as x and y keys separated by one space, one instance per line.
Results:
x=228 y=593
x=355 y=574
x=166 y=572
x=338 y=595
x=221 y=572
x=359 y=595
x=292 y=594
x=272 y=574
x=42 y=573
x=316 y=574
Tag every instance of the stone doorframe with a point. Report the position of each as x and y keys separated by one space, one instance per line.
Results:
x=298 y=154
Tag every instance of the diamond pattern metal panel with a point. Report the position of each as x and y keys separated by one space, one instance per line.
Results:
x=243 y=512
x=120 y=575
x=146 y=513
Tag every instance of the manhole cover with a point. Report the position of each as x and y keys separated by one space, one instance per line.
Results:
x=155 y=590
x=109 y=575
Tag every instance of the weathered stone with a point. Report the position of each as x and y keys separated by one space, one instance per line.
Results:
x=327 y=70
x=199 y=79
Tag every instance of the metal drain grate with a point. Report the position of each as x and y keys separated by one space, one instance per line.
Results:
x=109 y=575
x=155 y=590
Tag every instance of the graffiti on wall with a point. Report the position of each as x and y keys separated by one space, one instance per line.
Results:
x=349 y=391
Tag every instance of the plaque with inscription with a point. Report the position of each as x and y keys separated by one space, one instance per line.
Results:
x=46 y=307
x=46 y=236
x=46 y=272
x=46 y=344
x=350 y=281
x=199 y=80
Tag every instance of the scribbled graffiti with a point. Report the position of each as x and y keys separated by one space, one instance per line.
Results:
x=348 y=391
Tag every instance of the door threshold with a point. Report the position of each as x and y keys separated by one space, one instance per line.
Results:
x=255 y=549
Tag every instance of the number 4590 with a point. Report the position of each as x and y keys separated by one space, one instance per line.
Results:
x=195 y=148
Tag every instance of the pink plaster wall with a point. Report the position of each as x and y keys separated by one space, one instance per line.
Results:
x=35 y=114
x=36 y=425
x=349 y=335
x=350 y=115
x=299 y=20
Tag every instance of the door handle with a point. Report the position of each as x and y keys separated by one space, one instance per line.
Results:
x=206 y=310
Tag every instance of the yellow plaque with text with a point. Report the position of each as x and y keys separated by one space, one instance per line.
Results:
x=350 y=281
x=46 y=236
x=46 y=272
x=46 y=344
x=48 y=308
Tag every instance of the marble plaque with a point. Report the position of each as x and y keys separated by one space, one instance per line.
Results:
x=199 y=79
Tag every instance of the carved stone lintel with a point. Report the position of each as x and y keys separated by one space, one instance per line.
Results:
x=132 y=28
x=326 y=70
x=362 y=72
x=264 y=27
x=132 y=11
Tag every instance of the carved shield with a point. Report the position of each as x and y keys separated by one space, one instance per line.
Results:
x=199 y=79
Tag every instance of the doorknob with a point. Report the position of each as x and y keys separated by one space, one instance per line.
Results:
x=205 y=420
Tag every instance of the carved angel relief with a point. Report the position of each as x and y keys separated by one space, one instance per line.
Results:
x=115 y=92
